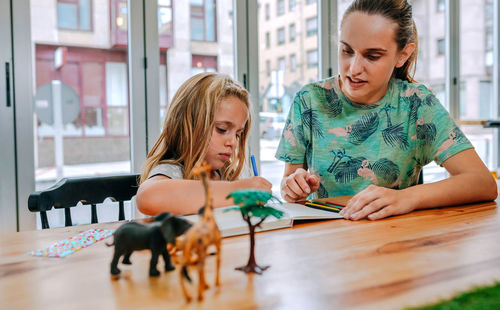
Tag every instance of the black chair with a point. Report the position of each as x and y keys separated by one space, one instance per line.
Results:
x=89 y=190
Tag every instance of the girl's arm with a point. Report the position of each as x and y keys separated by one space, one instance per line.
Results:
x=160 y=193
x=469 y=181
x=298 y=183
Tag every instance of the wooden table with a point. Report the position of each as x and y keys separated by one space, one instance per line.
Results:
x=388 y=264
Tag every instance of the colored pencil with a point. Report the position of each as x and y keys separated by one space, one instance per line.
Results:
x=254 y=165
x=322 y=207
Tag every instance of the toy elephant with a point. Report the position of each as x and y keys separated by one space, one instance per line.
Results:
x=134 y=236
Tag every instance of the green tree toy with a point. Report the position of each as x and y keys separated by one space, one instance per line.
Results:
x=252 y=203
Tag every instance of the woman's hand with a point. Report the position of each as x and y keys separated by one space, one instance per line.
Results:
x=375 y=202
x=298 y=185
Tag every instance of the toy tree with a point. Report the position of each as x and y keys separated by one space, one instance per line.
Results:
x=252 y=203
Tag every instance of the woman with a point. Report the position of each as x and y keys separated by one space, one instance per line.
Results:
x=370 y=130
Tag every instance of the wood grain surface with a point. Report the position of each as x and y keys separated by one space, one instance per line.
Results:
x=401 y=261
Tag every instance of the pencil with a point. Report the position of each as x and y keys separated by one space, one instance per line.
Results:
x=254 y=165
x=335 y=204
x=322 y=207
x=331 y=204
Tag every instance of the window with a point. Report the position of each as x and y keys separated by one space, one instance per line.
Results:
x=74 y=14
x=280 y=7
x=281 y=64
x=293 y=63
x=281 y=35
x=202 y=63
x=203 y=26
x=291 y=5
x=268 y=40
x=441 y=47
x=268 y=11
x=488 y=10
x=268 y=67
x=312 y=58
x=165 y=24
x=291 y=32
x=311 y=26
x=440 y=5
x=310 y=1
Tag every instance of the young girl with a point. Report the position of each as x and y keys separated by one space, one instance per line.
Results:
x=208 y=120
x=371 y=129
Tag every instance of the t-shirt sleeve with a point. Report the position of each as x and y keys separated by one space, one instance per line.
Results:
x=168 y=170
x=295 y=136
x=443 y=138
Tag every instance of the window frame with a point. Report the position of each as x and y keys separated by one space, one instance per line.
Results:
x=78 y=14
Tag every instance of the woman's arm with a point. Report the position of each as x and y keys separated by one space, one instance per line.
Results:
x=298 y=183
x=469 y=181
x=160 y=193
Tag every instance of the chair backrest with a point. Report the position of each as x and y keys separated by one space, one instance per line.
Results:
x=89 y=190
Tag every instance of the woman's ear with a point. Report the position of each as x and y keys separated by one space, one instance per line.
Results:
x=405 y=53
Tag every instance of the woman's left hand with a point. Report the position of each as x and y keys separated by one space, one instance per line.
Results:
x=375 y=202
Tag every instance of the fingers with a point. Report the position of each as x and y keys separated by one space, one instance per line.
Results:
x=376 y=202
x=298 y=185
x=262 y=183
x=313 y=181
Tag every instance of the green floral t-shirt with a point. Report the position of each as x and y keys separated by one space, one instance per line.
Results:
x=350 y=146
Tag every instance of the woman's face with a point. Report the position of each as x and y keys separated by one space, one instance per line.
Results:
x=229 y=122
x=368 y=54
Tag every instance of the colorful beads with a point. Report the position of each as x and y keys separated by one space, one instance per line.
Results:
x=73 y=244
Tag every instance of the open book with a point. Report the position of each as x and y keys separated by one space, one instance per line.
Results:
x=231 y=222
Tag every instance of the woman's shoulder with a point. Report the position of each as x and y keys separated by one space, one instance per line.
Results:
x=319 y=87
x=408 y=89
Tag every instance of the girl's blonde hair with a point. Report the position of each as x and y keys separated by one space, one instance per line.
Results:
x=400 y=12
x=189 y=124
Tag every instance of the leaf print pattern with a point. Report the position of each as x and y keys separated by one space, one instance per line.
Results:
x=426 y=132
x=363 y=128
x=459 y=135
x=286 y=158
x=394 y=135
x=386 y=170
x=416 y=103
x=322 y=192
x=338 y=155
x=347 y=171
x=310 y=119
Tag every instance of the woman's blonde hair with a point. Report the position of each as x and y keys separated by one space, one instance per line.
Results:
x=189 y=124
x=400 y=12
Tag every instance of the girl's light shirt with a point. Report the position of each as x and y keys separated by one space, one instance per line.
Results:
x=350 y=146
x=172 y=171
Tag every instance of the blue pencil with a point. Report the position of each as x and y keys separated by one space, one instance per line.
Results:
x=254 y=165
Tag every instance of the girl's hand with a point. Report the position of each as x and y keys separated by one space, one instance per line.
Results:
x=375 y=202
x=298 y=185
x=257 y=183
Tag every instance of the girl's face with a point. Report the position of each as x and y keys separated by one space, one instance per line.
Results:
x=230 y=119
x=368 y=54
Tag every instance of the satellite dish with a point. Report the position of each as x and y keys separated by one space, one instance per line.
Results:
x=70 y=103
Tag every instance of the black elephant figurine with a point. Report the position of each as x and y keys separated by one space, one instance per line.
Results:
x=134 y=236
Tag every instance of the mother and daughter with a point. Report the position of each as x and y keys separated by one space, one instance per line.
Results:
x=366 y=132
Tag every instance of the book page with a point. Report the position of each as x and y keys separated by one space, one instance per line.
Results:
x=301 y=212
x=231 y=223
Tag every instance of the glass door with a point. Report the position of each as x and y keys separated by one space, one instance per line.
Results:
x=288 y=60
x=193 y=36
x=8 y=203
x=81 y=98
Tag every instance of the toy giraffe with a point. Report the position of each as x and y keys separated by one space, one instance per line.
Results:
x=199 y=237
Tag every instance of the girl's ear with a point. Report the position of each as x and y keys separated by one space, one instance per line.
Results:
x=405 y=53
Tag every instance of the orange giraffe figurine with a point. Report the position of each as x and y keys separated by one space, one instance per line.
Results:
x=198 y=238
